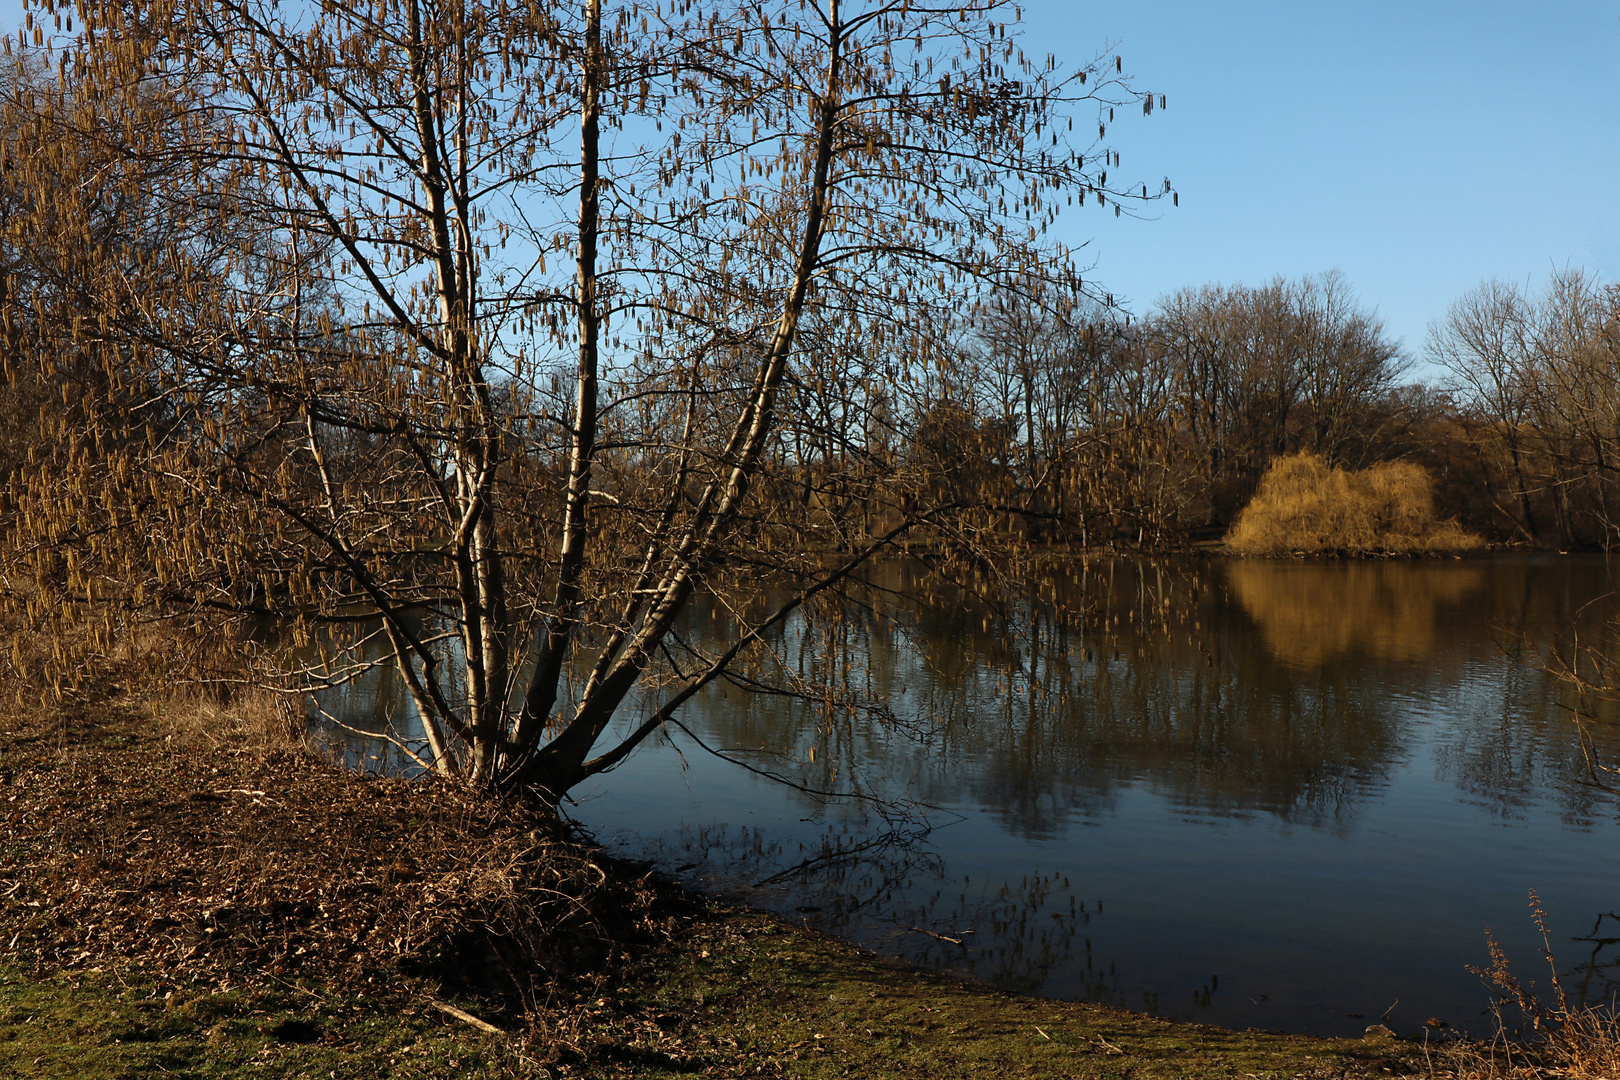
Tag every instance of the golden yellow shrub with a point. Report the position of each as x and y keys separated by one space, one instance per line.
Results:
x=1304 y=506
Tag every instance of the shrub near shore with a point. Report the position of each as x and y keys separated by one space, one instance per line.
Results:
x=1304 y=506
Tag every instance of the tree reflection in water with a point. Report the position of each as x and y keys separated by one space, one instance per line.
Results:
x=1011 y=934
x=1321 y=780
x=1230 y=688
x=1311 y=614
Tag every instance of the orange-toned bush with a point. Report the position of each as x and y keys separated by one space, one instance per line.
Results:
x=1303 y=505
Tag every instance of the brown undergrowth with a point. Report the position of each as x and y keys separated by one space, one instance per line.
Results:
x=208 y=849
x=1303 y=506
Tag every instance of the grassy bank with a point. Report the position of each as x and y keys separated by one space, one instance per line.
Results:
x=177 y=904
x=765 y=1001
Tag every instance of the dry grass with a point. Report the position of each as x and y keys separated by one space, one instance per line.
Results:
x=1585 y=1045
x=1566 y=1041
x=213 y=716
x=1305 y=507
x=196 y=688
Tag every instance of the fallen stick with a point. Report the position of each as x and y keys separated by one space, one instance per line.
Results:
x=467 y=1018
x=941 y=937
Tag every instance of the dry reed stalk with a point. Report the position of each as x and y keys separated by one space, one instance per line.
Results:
x=1568 y=1041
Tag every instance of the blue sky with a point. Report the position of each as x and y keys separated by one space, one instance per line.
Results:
x=1420 y=147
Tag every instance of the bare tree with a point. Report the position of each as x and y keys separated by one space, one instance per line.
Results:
x=512 y=302
x=1262 y=371
x=1542 y=372
x=1482 y=342
x=1077 y=415
x=1093 y=429
x=1349 y=368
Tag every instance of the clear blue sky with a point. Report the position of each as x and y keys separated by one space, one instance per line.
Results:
x=1420 y=147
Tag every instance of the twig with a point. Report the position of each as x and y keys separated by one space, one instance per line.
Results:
x=289 y=984
x=941 y=937
x=467 y=1018
x=891 y=837
x=398 y=743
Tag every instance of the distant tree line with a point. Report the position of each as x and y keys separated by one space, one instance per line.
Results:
x=1090 y=427
x=1535 y=426
x=1154 y=431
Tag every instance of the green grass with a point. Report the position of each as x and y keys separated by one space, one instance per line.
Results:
x=744 y=996
x=97 y=1026
x=749 y=996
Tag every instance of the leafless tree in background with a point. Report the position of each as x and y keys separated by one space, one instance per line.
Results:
x=1540 y=375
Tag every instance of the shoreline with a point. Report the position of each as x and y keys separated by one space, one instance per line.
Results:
x=176 y=904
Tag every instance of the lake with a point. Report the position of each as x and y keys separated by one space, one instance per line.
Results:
x=1284 y=795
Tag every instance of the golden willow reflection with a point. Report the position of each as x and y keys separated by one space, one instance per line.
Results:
x=1310 y=614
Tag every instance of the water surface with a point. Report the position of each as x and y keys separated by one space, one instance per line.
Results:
x=1283 y=795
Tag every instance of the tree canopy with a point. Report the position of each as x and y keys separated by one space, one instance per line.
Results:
x=476 y=336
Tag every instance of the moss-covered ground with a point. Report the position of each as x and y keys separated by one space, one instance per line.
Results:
x=765 y=1000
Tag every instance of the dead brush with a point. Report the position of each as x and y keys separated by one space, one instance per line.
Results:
x=218 y=716
x=1565 y=1041
x=1305 y=506
x=204 y=865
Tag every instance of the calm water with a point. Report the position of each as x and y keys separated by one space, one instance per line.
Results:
x=1280 y=795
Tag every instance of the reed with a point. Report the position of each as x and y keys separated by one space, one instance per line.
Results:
x=1305 y=506
x=1566 y=1040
